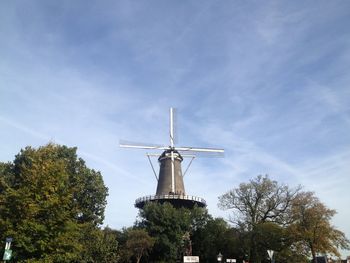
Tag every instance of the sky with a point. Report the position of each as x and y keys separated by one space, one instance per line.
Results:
x=267 y=81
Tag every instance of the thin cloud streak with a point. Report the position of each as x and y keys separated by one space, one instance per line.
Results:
x=269 y=83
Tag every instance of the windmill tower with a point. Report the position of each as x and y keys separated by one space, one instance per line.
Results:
x=170 y=187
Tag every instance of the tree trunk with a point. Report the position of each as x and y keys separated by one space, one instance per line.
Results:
x=253 y=250
x=313 y=253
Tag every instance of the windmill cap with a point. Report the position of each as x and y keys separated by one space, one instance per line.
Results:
x=167 y=154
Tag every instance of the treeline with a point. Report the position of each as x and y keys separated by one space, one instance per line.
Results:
x=52 y=205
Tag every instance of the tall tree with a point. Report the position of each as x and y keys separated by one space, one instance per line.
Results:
x=170 y=226
x=216 y=236
x=139 y=243
x=313 y=228
x=101 y=246
x=47 y=195
x=259 y=201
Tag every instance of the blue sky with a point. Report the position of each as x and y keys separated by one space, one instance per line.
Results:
x=269 y=82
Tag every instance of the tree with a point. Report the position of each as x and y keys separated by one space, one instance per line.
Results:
x=216 y=236
x=101 y=246
x=124 y=253
x=281 y=240
x=259 y=201
x=313 y=229
x=169 y=226
x=139 y=243
x=47 y=197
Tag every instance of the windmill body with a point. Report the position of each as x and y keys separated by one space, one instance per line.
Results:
x=170 y=187
x=164 y=185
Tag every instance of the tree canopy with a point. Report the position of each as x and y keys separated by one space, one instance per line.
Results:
x=274 y=216
x=170 y=227
x=139 y=243
x=47 y=197
x=312 y=227
x=255 y=203
x=216 y=235
x=260 y=200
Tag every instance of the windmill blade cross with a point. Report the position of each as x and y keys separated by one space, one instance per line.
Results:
x=149 y=147
x=140 y=145
x=171 y=130
x=182 y=155
x=194 y=149
x=172 y=172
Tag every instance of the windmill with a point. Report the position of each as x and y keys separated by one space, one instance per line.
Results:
x=170 y=187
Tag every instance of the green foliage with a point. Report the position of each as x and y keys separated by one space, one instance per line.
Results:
x=100 y=246
x=213 y=237
x=53 y=205
x=47 y=197
x=270 y=235
x=268 y=215
x=169 y=226
x=139 y=243
x=124 y=253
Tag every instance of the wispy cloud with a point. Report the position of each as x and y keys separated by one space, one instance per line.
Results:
x=269 y=83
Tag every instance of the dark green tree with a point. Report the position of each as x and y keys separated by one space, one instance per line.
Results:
x=100 y=246
x=124 y=253
x=270 y=235
x=214 y=237
x=138 y=243
x=170 y=226
x=47 y=197
x=167 y=225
